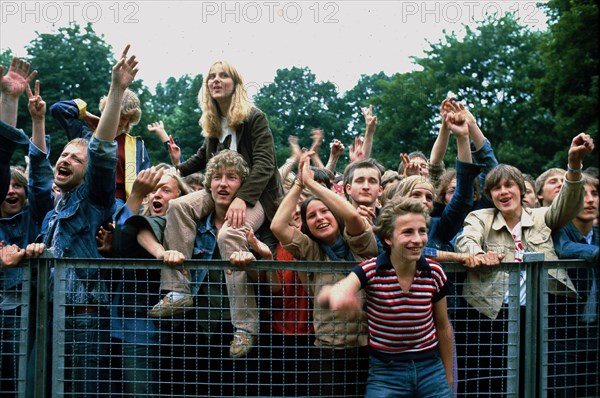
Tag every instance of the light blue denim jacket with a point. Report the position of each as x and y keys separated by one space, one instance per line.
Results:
x=79 y=214
x=22 y=228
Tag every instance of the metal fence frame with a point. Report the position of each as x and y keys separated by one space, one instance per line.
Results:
x=535 y=330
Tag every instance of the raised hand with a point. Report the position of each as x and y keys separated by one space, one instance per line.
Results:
x=146 y=181
x=17 y=78
x=370 y=119
x=174 y=151
x=125 y=70
x=410 y=168
x=456 y=124
x=158 y=128
x=337 y=148
x=305 y=173
x=581 y=145
x=36 y=105
x=356 y=150
x=317 y=137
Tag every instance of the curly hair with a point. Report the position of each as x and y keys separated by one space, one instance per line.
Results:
x=130 y=109
x=396 y=207
x=226 y=159
x=238 y=110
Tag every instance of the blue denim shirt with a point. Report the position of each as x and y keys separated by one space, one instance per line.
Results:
x=79 y=214
x=205 y=246
x=569 y=243
x=22 y=228
x=485 y=156
x=445 y=227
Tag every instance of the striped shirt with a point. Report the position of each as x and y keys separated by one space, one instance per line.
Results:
x=401 y=324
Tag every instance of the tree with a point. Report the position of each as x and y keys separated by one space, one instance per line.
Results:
x=71 y=63
x=569 y=88
x=494 y=69
x=361 y=95
x=295 y=103
x=176 y=104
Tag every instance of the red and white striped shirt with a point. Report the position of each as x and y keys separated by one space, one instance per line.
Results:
x=401 y=324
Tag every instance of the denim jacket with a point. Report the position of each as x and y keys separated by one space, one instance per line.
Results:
x=204 y=248
x=485 y=156
x=569 y=243
x=442 y=229
x=22 y=228
x=79 y=214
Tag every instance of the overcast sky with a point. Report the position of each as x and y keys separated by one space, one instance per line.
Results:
x=337 y=40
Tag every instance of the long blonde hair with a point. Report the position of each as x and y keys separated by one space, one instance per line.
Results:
x=238 y=110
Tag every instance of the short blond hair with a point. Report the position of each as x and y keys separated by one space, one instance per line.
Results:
x=131 y=109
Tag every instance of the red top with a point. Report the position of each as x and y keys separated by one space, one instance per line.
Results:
x=291 y=312
x=120 y=172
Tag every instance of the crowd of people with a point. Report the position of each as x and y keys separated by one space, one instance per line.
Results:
x=396 y=324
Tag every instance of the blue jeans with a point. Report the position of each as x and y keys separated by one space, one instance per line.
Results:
x=425 y=378
x=140 y=367
x=87 y=339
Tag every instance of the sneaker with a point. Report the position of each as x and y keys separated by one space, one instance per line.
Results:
x=242 y=344
x=173 y=303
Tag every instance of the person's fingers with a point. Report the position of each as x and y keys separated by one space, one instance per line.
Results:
x=125 y=51
x=29 y=93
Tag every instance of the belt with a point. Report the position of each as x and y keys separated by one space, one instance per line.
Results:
x=82 y=309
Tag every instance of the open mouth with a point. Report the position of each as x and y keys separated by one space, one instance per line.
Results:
x=323 y=226
x=157 y=207
x=64 y=172
x=12 y=200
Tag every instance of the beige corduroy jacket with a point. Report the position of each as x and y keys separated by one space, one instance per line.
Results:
x=486 y=229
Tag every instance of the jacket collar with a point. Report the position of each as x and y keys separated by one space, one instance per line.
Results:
x=499 y=222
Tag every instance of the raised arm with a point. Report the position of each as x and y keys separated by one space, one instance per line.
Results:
x=145 y=182
x=569 y=201
x=371 y=123
x=440 y=146
x=123 y=74
x=336 y=151
x=37 y=110
x=317 y=139
x=280 y=225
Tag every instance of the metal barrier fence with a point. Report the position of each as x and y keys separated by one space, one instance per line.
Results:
x=544 y=344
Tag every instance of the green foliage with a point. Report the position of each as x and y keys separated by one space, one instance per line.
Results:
x=569 y=86
x=530 y=91
x=176 y=104
x=71 y=63
x=296 y=103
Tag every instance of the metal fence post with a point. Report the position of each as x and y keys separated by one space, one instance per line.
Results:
x=43 y=265
x=24 y=340
x=514 y=335
x=58 y=334
x=534 y=268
